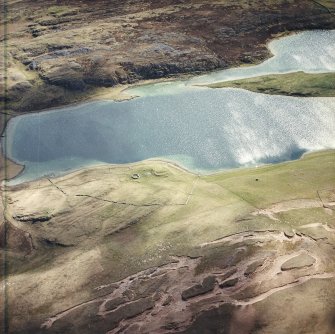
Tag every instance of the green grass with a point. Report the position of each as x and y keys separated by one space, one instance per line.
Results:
x=221 y=205
x=284 y=181
x=295 y=84
x=61 y=10
x=300 y=217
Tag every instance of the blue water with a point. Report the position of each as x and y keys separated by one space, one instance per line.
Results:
x=309 y=51
x=202 y=129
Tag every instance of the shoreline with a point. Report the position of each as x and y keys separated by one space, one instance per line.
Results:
x=146 y=174
x=118 y=94
x=174 y=164
x=294 y=84
x=115 y=93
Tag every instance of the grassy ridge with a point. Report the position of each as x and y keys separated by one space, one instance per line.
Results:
x=97 y=239
x=294 y=84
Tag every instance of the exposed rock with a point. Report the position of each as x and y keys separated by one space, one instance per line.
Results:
x=253 y=267
x=298 y=262
x=33 y=65
x=167 y=301
x=150 y=271
x=221 y=260
x=54 y=243
x=68 y=288
x=32 y=218
x=146 y=287
x=53 y=21
x=67 y=75
x=289 y=234
x=124 y=43
x=131 y=309
x=22 y=86
x=228 y=274
x=15 y=239
x=114 y=303
x=228 y=283
x=199 y=289
x=218 y=320
x=171 y=326
x=17 y=90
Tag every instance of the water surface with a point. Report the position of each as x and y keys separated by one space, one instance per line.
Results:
x=202 y=129
x=309 y=51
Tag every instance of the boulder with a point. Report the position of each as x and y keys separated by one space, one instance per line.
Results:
x=298 y=262
x=229 y=283
x=199 y=289
x=131 y=309
x=253 y=267
x=112 y=304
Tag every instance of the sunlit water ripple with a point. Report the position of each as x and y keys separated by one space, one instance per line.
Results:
x=202 y=129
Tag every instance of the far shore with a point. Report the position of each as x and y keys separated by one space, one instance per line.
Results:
x=10 y=169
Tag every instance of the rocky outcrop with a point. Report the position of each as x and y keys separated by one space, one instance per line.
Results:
x=68 y=75
x=253 y=267
x=229 y=283
x=199 y=289
x=130 y=310
x=168 y=273
x=32 y=218
x=79 y=48
x=15 y=240
x=298 y=262
x=112 y=304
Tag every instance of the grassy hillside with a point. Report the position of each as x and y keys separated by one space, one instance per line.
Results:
x=218 y=240
x=295 y=84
